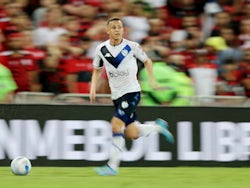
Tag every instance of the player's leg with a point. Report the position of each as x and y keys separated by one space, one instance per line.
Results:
x=125 y=107
x=118 y=143
x=136 y=130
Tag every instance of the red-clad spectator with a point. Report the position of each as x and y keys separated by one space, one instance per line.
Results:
x=79 y=69
x=177 y=9
x=78 y=74
x=231 y=6
x=2 y=39
x=39 y=54
x=11 y=10
x=54 y=72
x=21 y=63
x=82 y=8
x=3 y=13
x=72 y=25
x=86 y=10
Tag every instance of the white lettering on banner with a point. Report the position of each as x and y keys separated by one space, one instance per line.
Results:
x=58 y=140
x=90 y=140
x=148 y=146
x=220 y=141
x=10 y=138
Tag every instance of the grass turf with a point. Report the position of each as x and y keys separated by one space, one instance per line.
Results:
x=147 y=177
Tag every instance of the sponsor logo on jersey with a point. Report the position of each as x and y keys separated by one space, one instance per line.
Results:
x=115 y=74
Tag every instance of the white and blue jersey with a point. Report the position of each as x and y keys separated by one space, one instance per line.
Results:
x=121 y=66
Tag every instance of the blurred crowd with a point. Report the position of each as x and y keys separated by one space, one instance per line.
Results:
x=198 y=47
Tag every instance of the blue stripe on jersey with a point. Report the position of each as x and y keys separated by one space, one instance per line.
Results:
x=115 y=61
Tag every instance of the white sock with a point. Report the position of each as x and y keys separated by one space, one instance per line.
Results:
x=118 y=143
x=147 y=129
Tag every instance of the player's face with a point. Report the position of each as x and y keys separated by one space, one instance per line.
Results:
x=115 y=30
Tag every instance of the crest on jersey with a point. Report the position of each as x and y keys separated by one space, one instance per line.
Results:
x=115 y=61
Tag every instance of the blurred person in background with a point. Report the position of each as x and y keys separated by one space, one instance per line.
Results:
x=21 y=63
x=29 y=45
x=97 y=34
x=210 y=9
x=72 y=25
x=230 y=37
x=136 y=21
x=55 y=69
x=11 y=10
x=154 y=47
x=111 y=8
x=192 y=26
x=245 y=69
x=39 y=13
x=223 y=19
x=204 y=73
x=246 y=10
x=7 y=85
x=217 y=47
x=177 y=9
x=86 y=9
x=181 y=46
x=175 y=87
x=49 y=32
x=39 y=54
x=244 y=35
x=230 y=80
x=22 y=22
x=2 y=39
x=79 y=69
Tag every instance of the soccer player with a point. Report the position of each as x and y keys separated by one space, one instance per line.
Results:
x=118 y=55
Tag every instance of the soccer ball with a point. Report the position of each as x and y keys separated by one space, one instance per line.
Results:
x=20 y=165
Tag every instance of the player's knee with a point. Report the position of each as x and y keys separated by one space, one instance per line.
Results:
x=131 y=134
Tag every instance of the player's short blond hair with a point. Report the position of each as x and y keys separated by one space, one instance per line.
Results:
x=113 y=19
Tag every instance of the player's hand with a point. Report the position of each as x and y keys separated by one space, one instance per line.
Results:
x=153 y=84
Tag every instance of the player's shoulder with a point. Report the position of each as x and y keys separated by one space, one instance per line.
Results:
x=132 y=44
x=99 y=46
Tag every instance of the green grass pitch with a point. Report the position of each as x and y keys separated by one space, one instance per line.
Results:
x=146 y=177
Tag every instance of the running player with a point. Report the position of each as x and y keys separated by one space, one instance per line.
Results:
x=118 y=55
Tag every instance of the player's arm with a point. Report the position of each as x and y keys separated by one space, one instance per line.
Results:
x=149 y=67
x=96 y=74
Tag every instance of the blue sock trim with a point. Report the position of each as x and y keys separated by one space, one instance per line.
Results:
x=118 y=134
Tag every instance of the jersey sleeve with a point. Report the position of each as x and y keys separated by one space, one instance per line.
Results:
x=97 y=61
x=139 y=53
